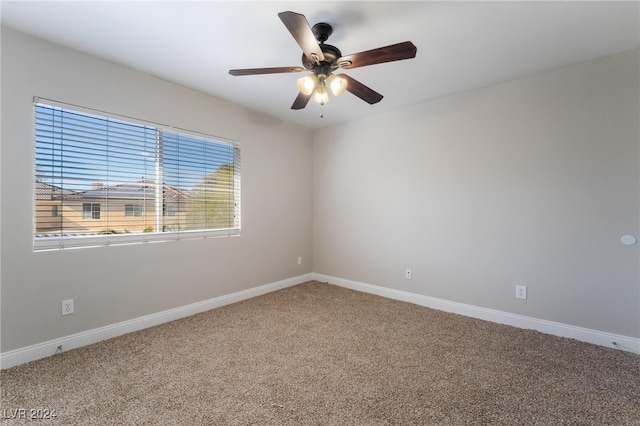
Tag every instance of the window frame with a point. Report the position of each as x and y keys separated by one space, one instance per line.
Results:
x=92 y=212
x=133 y=210
x=57 y=242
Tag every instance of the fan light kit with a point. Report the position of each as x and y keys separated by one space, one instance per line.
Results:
x=323 y=59
x=318 y=84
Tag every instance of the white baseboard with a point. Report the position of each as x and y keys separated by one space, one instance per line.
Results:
x=601 y=338
x=45 y=349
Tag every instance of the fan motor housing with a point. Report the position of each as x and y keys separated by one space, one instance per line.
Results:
x=322 y=31
x=331 y=55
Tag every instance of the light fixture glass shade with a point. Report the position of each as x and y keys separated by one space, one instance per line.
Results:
x=337 y=84
x=321 y=96
x=307 y=84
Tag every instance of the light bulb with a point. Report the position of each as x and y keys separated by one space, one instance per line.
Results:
x=337 y=84
x=307 y=84
x=321 y=96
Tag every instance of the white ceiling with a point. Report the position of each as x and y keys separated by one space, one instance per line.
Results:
x=461 y=45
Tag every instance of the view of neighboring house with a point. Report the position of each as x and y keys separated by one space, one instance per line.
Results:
x=97 y=175
x=125 y=208
x=48 y=208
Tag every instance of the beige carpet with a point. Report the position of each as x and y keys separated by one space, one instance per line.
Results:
x=323 y=355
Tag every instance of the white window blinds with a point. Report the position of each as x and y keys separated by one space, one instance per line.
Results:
x=111 y=181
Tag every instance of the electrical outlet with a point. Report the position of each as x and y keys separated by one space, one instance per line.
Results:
x=521 y=292
x=407 y=274
x=67 y=307
x=299 y=260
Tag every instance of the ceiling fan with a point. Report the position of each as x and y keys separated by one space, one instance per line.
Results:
x=323 y=59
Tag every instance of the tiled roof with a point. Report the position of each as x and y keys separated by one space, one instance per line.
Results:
x=141 y=190
x=45 y=191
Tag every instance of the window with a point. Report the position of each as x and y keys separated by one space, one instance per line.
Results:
x=133 y=210
x=120 y=181
x=170 y=209
x=91 y=210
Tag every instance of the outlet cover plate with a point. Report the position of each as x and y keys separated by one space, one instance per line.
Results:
x=521 y=292
x=67 y=307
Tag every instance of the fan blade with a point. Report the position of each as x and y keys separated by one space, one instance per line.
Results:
x=255 y=71
x=301 y=101
x=393 y=52
x=360 y=90
x=299 y=28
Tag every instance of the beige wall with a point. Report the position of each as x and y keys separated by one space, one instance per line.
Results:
x=530 y=182
x=115 y=284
